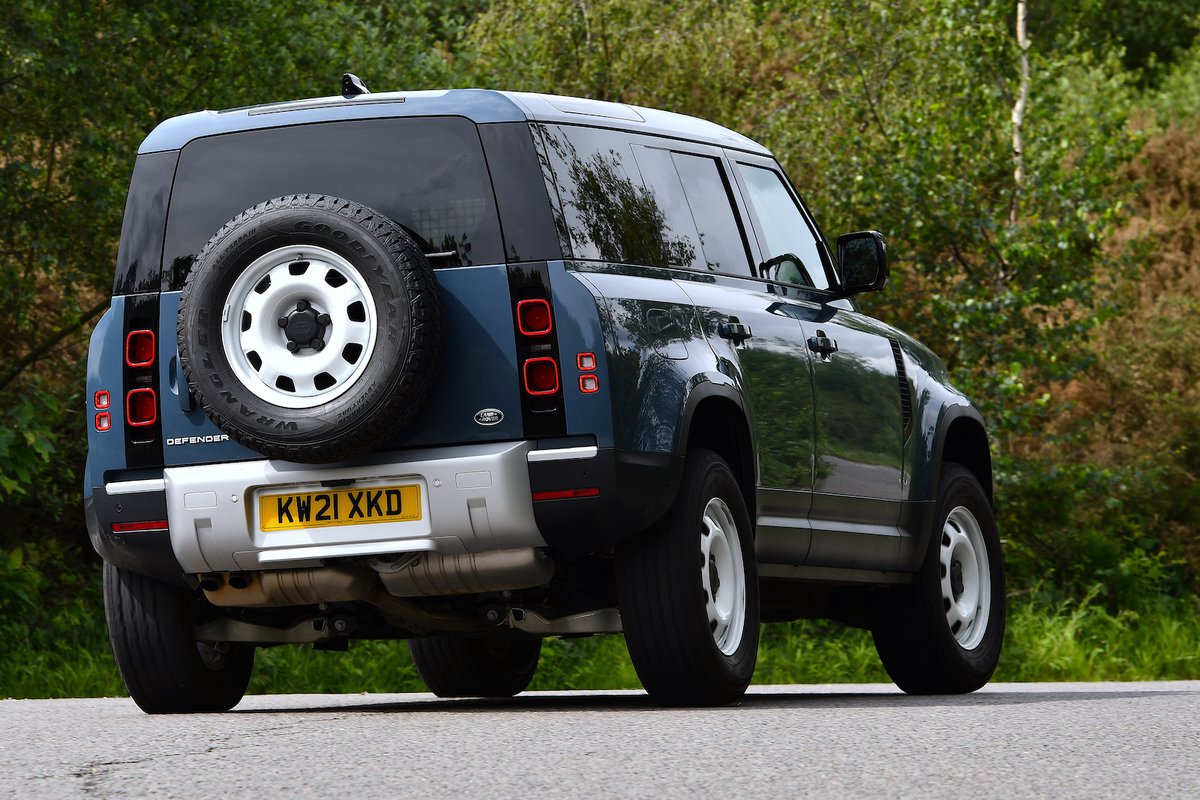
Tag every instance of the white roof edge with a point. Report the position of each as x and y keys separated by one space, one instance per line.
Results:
x=577 y=110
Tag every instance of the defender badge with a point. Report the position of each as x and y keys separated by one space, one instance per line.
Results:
x=489 y=416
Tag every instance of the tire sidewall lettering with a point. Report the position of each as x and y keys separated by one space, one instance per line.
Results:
x=381 y=253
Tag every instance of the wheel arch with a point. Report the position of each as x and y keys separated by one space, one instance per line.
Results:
x=715 y=419
x=962 y=439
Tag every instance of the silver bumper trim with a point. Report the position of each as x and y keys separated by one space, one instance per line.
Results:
x=135 y=487
x=475 y=498
x=562 y=453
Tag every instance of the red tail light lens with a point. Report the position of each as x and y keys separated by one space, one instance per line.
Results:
x=533 y=317
x=103 y=421
x=541 y=376
x=139 y=348
x=589 y=384
x=102 y=399
x=141 y=407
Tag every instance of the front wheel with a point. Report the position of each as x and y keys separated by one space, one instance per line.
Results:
x=150 y=625
x=688 y=591
x=942 y=633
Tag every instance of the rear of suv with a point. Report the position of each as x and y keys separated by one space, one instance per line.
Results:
x=474 y=368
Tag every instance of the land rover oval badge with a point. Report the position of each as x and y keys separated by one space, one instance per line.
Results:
x=489 y=416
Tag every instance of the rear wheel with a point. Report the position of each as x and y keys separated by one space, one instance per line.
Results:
x=942 y=633
x=150 y=625
x=459 y=666
x=688 y=591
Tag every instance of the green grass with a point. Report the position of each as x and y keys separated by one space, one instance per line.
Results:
x=1047 y=640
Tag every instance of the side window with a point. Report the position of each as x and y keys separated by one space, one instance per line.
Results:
x=721 y=240
x=681 y=243
x=607 y=211
x=785 y=229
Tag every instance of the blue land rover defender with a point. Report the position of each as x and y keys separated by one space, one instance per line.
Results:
x=474 y=368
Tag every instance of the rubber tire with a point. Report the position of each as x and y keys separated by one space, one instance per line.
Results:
x=460 y=666
x=402 y=366
x=662 y=597
x=150 y=627
x=911 y=634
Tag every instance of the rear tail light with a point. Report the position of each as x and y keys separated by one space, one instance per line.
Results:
x=141 y=407
x=586 y=362
x=102 y=400
x=533 y=317
x=589 y=384
x=103 y=421
x=541 y=376
x=139 y=348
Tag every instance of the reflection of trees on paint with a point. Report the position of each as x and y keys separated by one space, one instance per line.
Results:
x=608 y=216
x=858 y=414
x=780 y=388
x=654 y=385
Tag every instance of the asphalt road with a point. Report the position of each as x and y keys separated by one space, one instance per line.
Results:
x=1127 y=740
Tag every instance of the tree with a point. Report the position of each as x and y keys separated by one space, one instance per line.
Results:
x=80 y=85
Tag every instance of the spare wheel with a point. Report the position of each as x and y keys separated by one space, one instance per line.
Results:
x=310 y=328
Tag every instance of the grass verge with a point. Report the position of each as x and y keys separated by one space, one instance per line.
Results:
x=1048 y=639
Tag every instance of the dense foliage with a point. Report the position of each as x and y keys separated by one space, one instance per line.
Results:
x=1061 y=286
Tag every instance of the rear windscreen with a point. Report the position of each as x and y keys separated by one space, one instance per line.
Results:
x=428 y=174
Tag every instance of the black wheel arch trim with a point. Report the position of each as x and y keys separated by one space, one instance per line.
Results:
x=746 y=472
x=919 y=515
x=982 y=469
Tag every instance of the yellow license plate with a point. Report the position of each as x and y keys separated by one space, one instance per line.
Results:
x=330 y=507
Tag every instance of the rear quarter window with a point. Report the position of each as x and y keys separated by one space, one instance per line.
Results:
x=427 y=174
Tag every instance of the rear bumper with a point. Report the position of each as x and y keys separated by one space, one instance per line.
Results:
x=474 y=499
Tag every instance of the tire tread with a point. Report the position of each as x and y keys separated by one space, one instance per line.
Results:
x=149 y=625
x=398 y=405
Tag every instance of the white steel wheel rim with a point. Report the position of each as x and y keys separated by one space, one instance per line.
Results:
x=966 y=578
x=722 y=575
x=275 y=287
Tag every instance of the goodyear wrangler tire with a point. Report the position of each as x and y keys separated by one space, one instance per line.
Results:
x=150 y=626
x=942 y=633
x=688 y=591
x=310 y=328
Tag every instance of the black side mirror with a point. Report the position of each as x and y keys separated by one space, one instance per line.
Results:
x=862 y=257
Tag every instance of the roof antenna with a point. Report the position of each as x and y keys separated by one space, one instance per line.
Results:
x=352 y=85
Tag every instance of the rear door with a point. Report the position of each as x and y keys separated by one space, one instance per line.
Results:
x=857 y=410
x=753 y=332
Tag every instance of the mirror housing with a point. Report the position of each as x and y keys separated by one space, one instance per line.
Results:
x=862 y=258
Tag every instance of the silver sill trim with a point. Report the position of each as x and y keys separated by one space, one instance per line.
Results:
x=562 y=453
x=136 y=487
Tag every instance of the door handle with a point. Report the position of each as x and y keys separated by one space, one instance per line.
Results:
x=735 y=330
x=822 y=344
